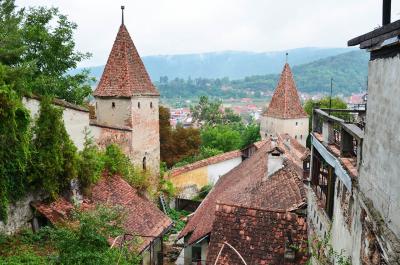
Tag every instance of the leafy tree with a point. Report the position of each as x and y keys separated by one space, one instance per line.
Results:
x=14 y=154
x=251 y=134
x=54 y=156
x=207 y=112
x=337 y=103
x=38 y=50
x=176 y=144
x=221 y=137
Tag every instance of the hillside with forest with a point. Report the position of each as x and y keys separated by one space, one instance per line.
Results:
x=232 y=64
x=349 y=71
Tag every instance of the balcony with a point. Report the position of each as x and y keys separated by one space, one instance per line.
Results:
x=341 y=132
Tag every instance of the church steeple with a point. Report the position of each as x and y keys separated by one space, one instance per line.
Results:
x=124 y=74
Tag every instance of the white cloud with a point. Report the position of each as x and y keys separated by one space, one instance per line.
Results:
x=191 y=26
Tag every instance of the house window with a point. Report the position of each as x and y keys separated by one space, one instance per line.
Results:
x=138 y=105
x=144 y=163
x=113 y=105
x=151 y=105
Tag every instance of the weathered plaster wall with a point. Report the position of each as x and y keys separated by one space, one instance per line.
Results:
x=20 y=214
x=75 y=120
x=380 y=170
x=215 y=171
x=119 y=115
x=197 y=177
x=145 y=134
x=106 y=136
x=297 y=128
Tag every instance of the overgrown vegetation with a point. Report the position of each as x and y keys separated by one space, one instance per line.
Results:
x=54 y=156
x=83 y=241
x=14 y=152
x=203 y=192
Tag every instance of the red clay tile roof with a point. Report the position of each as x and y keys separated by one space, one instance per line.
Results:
x=57 y=211
x=258 y=235
x=247 y=185
x=124 y=74
x=206 y=162
x=285 y=102
x=143 y=218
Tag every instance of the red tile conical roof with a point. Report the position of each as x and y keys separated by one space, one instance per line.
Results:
x=285 y=102
x=124 y=74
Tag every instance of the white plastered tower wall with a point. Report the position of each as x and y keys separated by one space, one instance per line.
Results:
x=296 y=128
x=146 y=133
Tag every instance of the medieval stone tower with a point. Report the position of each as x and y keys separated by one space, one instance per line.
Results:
x=127 y=104
x=285 y=113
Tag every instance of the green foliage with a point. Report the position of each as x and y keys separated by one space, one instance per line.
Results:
x=37 y=52
x=116 y=162
x=210 y=113
x=54 y=157
x=203 y=192
x=83 y=241
x=251 y=134
x=167 y=187
x=14 y=154
x=176 y=144
x=91 y=162
x=177 y=217
x=221 y=137
x=205 y=152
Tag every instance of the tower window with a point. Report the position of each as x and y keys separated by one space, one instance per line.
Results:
x=113 y=104
x=151 y=105
x=138 y=105
x=295 y=137
x=144 y=163
x=297 y=123
x=301 y=136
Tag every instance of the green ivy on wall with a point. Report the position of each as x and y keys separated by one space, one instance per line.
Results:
x=14 y=148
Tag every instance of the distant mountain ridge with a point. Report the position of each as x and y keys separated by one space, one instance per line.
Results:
x=231 y=64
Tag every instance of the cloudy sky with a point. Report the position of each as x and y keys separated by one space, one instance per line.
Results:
x=194 y=26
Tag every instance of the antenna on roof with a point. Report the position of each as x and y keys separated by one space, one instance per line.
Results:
x=122 y=10
x=287 y=54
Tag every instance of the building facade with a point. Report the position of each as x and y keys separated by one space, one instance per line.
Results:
x=285 y=113
x=353 y=196
x=127 y=102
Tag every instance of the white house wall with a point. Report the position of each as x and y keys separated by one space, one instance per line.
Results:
x=215 y=171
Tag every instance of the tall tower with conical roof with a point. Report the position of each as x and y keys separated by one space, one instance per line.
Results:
x=285 y=113
x=126 y=99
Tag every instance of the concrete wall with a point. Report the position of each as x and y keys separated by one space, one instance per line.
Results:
x=75 y=120
x=380 y=168
x=119 y=115
x=215 y=171
x=297 y=128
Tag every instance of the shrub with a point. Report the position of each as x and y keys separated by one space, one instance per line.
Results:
x=91 y=162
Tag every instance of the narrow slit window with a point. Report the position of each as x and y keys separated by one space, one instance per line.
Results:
x=113 y=105
x=138 y=105
x=144 y=163
x=151 y=105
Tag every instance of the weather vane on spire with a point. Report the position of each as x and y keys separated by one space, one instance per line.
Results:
x=122 y=10
x=287 y=54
